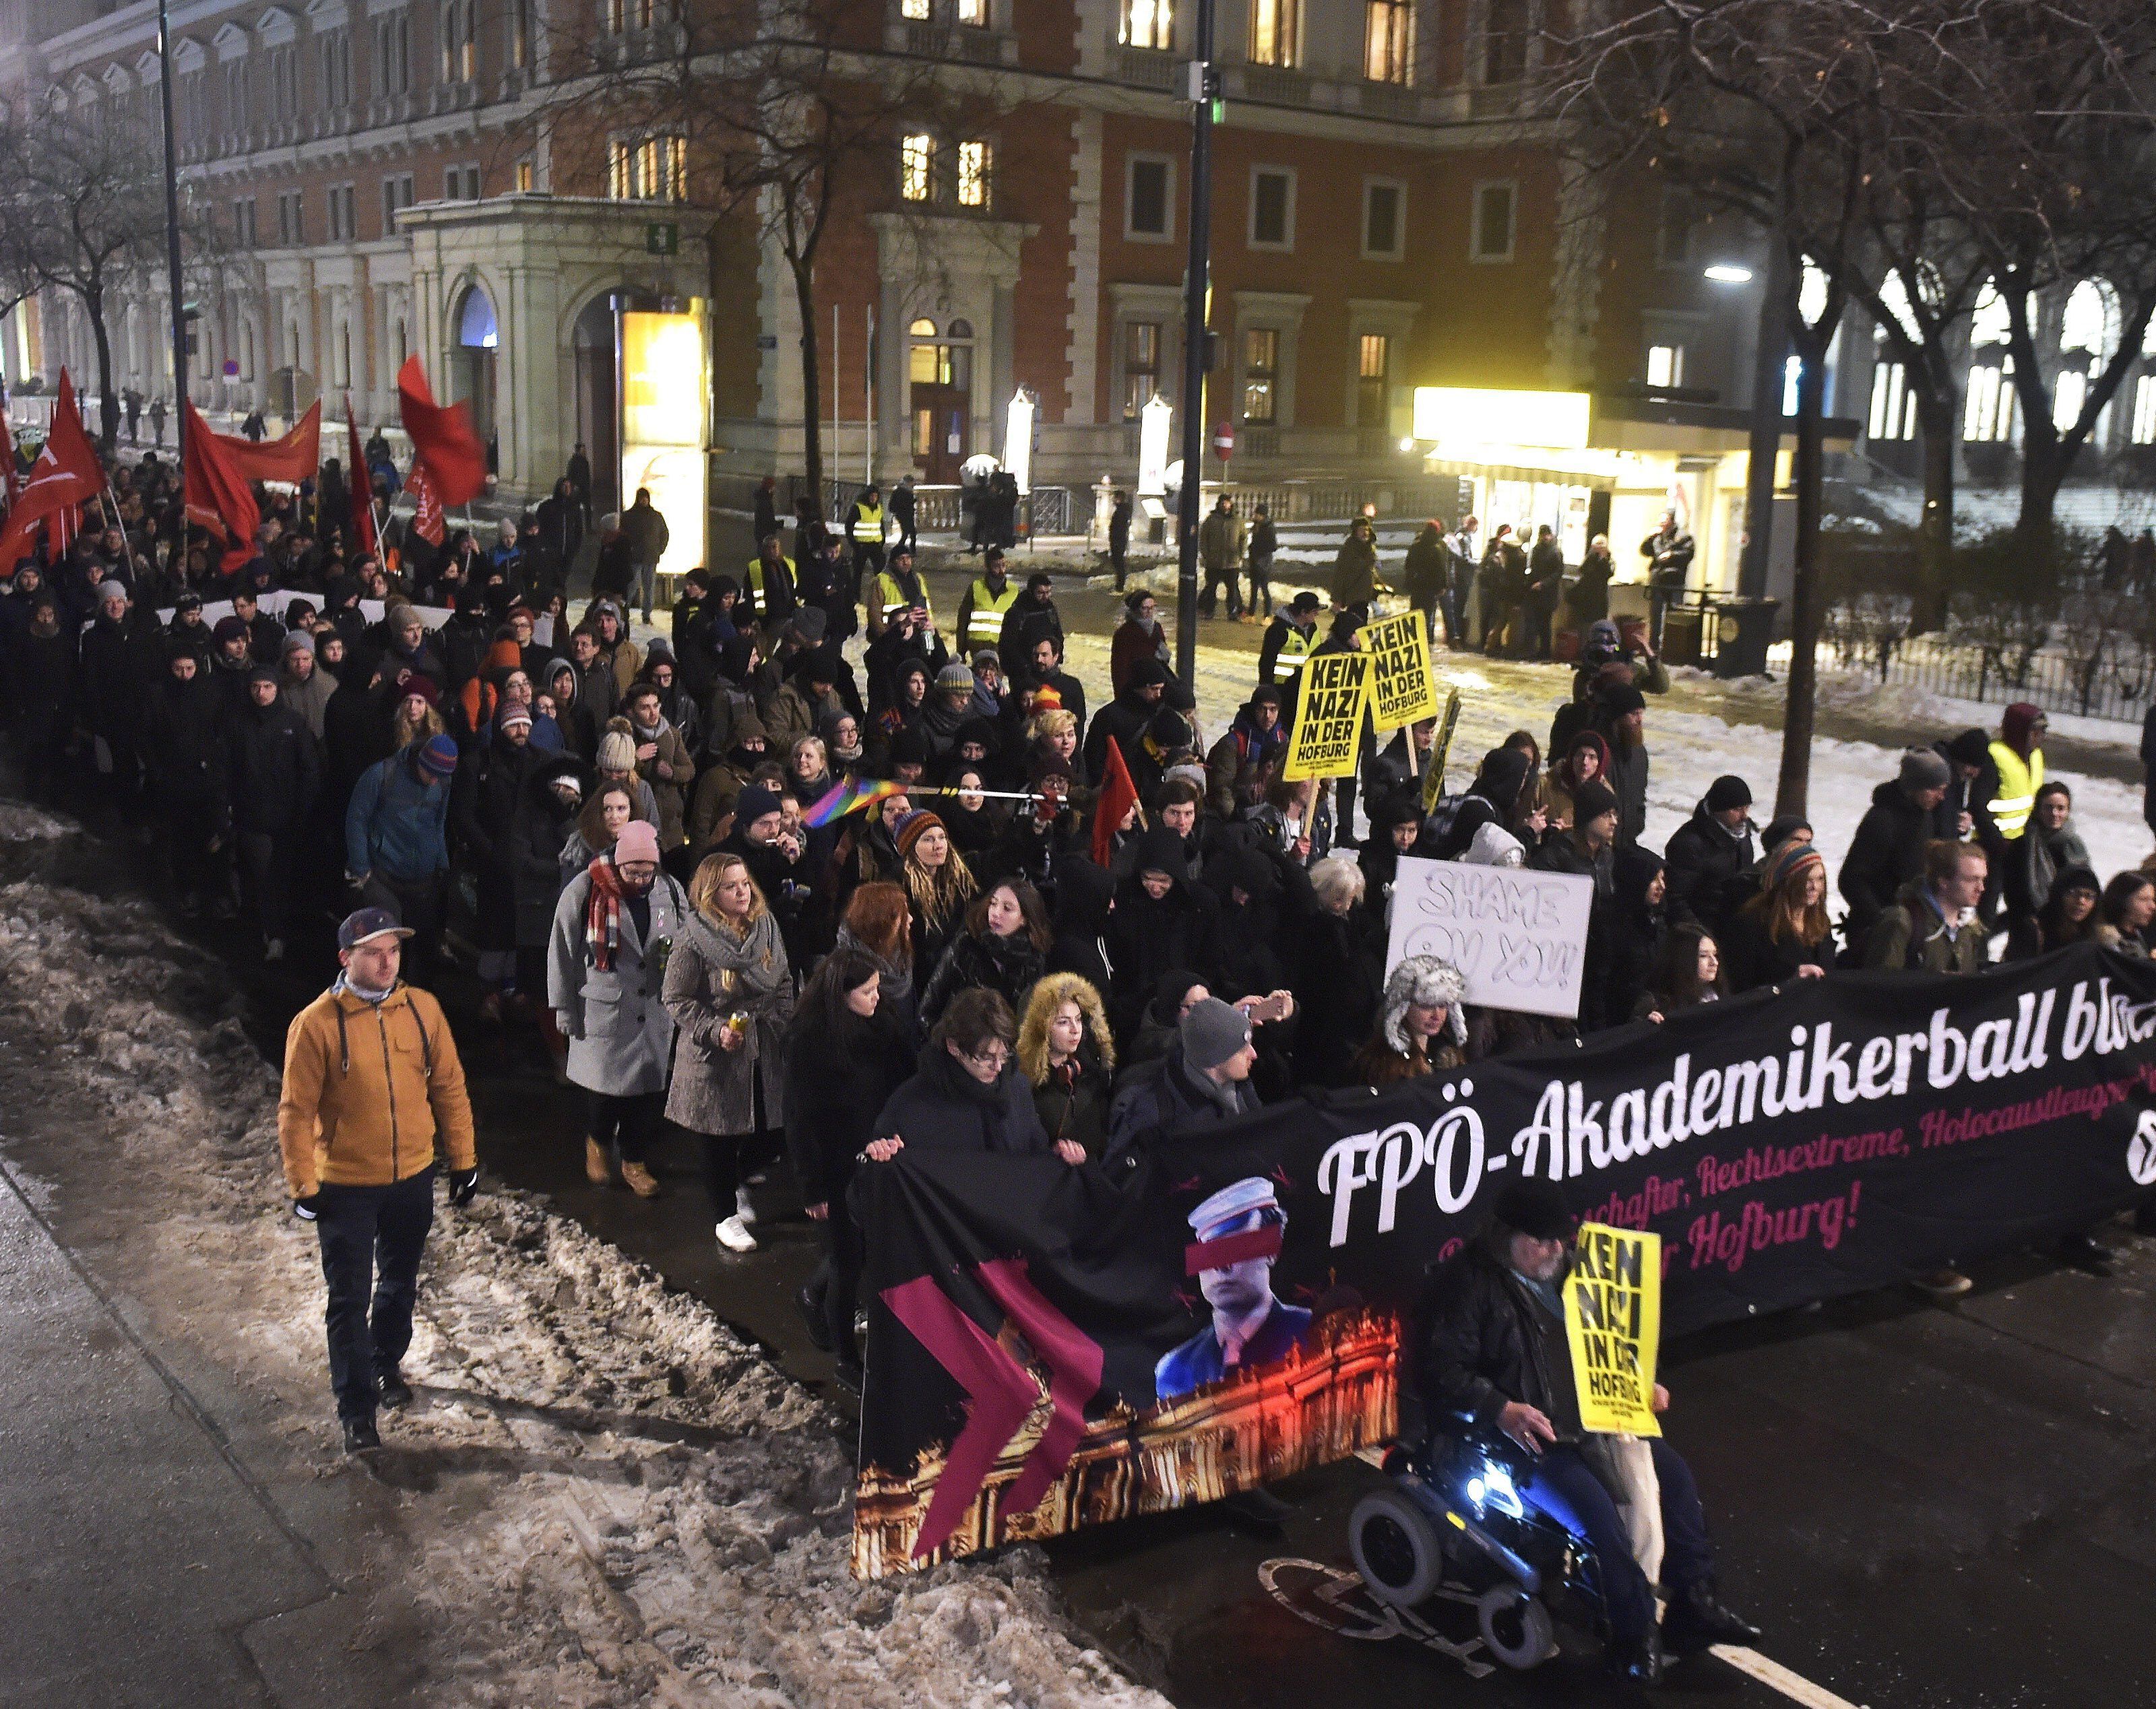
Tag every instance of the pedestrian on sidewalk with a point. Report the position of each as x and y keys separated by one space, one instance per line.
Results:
x=373 y=1094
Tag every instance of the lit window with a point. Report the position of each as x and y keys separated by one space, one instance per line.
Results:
x=1375 y=356
x=1146 y=23
x=1275 y=33
x=974 y=13
x=2144 y=410
x=1988 y=407
x=915 y=10
x=1664 y=365
x=1373 y=366
x=1261 y=375
x=1140 y=366
x=916 y=166
x=973 y=175
x=655 y=169
x=1893 y=404
x=1388 y=42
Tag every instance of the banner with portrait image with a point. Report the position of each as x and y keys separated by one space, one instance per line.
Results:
x=1051 y=1348
x=1331 y=697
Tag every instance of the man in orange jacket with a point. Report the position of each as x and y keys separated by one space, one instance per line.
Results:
x=373 y=1093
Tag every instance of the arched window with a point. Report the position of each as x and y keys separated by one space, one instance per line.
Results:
x=2088 y=339
x=940 y=360
x=1987 y=414
x=475 y=326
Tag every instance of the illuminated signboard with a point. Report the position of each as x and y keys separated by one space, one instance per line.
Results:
x=1472 y=415
x=662 y=428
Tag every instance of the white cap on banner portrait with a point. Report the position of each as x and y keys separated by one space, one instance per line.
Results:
x=1232 y=1204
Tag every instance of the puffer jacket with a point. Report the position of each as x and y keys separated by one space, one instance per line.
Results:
x=397 y=823
x=373 y=1092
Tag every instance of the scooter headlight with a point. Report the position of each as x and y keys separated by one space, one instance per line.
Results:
x=1492 y=1487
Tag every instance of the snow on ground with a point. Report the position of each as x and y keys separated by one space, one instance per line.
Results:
x=608 y=1499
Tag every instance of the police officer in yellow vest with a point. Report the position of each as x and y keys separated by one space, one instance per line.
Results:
x=2004 y=793
x=1289 y=639
x=768 y=595
x=866 y=529
x=981 y=612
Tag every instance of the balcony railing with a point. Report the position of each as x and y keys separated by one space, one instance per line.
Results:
x=1283 y=85
x=1146 y=66
x=1388 y=101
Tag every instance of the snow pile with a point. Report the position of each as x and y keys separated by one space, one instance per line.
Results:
x=22 y=822
x=604 y=1497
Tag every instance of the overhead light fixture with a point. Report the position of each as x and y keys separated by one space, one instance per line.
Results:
x=1728 y=273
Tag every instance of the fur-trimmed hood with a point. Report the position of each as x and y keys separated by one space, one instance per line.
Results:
x=1422 y=982
x=1049 y=994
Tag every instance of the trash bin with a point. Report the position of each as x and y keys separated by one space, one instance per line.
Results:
x=1680 y=635
x=1742 y=627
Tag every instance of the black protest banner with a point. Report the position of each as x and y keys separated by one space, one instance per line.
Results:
x=1051 y=1348
x=1332 y=696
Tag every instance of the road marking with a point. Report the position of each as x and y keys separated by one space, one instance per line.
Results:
x=1769 y=1672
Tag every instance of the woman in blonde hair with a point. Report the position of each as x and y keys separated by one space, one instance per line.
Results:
x=731 y=992
x=1068 y=1056
x=938 y=885
x=1056 y=732
x=416 y=718
x=1783 y=933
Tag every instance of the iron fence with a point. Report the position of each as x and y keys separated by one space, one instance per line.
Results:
x=2109 y=674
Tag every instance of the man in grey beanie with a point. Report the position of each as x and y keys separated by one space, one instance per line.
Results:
x=1887 y=852
x=1204 y=1079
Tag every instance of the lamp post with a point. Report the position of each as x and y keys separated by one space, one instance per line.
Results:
x=1202 y=90
x=1768 y=363
x=172 y=239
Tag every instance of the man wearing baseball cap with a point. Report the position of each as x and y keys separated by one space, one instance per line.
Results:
x=373 y=1094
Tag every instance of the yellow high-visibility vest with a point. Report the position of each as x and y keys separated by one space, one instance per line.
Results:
x=755 y=568
x=984 y=624
x=868 y=524
x=890 y=596
x=2018 y=781
x=1297 y=647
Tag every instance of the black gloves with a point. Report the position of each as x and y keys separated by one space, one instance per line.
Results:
x=305 y=1208
x=463 y=1185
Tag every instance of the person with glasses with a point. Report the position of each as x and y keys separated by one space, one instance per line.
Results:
x=967 y=1094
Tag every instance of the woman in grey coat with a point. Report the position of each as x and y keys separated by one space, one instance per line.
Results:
x=615 y=926
x=730 y=991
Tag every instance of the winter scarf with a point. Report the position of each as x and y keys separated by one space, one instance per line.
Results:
x=602 y=912
x=756 y=960
x=896 y=978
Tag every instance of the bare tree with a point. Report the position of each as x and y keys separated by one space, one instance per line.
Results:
x=790 y=116
x=82 y=210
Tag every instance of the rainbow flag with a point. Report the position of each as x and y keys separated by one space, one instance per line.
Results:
x=850 y=797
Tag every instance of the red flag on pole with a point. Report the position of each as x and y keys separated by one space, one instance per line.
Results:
x=441 y=438
x=427 y=523
x=218 y=495
x=67 y=472
x=1118 y=795
x=364 y=539
x=295 y=458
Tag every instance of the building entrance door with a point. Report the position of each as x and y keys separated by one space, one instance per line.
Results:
x=940 y=378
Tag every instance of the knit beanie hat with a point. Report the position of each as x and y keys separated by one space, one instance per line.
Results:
x=954 y=675
x=1619 y=698
x=1726 y=792
x=229 y=629
x=110 y=590
x=438 y=758
x=911 y=827
x=299 y=641
x=755 y=803
x=1591 y=800
x=1971 y=747
x=513 y=717
x=2018 y=723
x=1212 y=1032
x=1925 y=768
x=617 y=752
x=639 y=841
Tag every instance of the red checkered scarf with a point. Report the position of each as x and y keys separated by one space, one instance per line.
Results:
x=602 y=912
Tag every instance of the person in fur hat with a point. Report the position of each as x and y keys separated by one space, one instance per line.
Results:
x=1420 y=1024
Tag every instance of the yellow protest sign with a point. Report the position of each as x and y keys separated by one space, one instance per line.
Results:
x=1432 y=777
x=1613 y=1322
x=1328 y=716
x=1403 y=687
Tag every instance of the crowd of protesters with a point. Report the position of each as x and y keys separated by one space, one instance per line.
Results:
x=618 y=836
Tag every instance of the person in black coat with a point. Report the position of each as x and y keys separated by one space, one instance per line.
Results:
x=1084 y=893
x=274 y=774
x=1003 y=949
x=1500 y=795
x=1633 y=929
x=1782 y=934
x=189 y=780
x=1161 y=920
x=1709 y=855
x=545 y=818
x=1620 y=718
x=44 y=667
x=967 y=1094
x=847 y=1052
x=121 y=658
x=1491 y=1355
x=1887 y=852
x=486 y=797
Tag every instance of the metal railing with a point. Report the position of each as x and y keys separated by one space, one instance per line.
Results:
x=2110 y=675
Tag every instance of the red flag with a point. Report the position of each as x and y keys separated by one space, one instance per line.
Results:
x=218 y=497
x=366 y=541
x=1118 y=795
x=427 y=523
x=442 y=438
x=66 y=473
x=295 y=458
